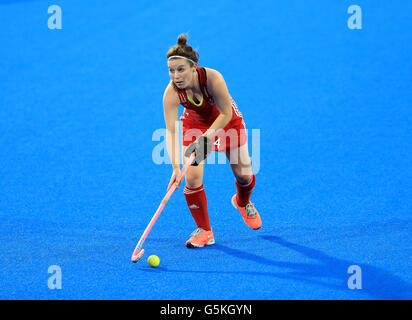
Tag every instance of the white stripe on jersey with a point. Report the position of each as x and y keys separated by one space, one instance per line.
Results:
x=235 y=108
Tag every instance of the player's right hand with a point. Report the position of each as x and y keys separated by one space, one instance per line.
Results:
x=176 y=178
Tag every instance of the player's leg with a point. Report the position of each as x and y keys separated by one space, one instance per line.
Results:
x=240 y=164
x=245 y=180
x=197 y=203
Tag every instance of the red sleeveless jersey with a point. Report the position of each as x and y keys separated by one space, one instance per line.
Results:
x=196 y=119
x=204 y=115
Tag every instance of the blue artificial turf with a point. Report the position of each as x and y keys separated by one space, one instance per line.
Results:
x=331 y=110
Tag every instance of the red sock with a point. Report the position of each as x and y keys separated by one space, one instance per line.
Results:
x=244 y=192
x=197 y=203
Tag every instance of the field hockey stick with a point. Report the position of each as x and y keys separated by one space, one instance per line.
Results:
x=138 y=251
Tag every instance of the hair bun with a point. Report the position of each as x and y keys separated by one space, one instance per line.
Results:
x=183 y=49
x=182 y=40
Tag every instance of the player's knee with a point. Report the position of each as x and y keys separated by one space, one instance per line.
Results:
x=193 y=181
x=244 y=179
x=242 y=172
x=193 y=184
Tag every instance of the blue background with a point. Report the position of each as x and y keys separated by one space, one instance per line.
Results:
x=79 y=106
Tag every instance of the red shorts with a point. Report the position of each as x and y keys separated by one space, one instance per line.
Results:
x=232 y=136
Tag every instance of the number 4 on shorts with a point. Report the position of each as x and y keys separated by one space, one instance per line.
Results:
x=217 y=143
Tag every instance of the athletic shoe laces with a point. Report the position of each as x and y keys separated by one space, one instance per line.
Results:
x=197 y=232
x=250 y=210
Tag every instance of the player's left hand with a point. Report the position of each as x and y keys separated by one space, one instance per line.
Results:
x=201 y=147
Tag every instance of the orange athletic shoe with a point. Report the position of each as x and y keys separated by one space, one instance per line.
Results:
x=200 y=238
x=249 y=214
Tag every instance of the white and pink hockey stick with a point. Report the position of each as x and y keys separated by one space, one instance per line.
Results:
x=138 y=251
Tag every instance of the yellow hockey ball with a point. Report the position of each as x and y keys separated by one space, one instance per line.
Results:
x=153 y=261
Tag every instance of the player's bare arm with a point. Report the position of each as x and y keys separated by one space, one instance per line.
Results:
x=218 y=89
x=171 y=115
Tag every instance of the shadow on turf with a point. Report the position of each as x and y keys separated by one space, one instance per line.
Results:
x=376 y=283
